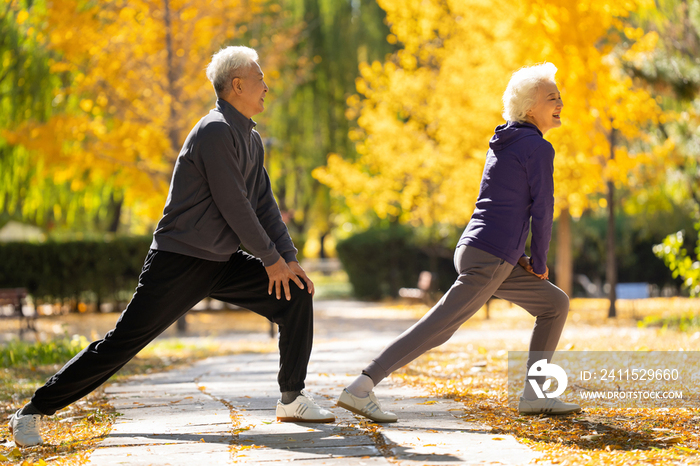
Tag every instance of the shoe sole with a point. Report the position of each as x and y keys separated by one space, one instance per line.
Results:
x=315 y=421
x=357 y=411
x=551 y=413
x=12 y=432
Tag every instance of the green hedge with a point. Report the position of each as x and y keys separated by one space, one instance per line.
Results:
x=69 y=270
x=379 y=261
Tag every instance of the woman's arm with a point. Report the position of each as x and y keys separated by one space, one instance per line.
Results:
x=540 y=173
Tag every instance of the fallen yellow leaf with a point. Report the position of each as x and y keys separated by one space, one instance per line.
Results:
x=674 y=439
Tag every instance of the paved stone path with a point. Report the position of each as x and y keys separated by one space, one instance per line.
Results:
x=184 y=417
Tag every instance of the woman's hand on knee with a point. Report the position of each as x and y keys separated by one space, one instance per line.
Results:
x=525 y=263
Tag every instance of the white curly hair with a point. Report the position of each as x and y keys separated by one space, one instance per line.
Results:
x=521 y=93
x=226 y=64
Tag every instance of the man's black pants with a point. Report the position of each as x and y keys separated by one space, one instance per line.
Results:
x=170 y=285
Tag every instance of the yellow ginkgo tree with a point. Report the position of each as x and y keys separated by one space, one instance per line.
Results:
x=135 y=85
x=425 y=115
x=603 y=143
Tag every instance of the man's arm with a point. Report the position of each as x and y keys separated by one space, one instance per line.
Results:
x=288 y=267
x=270 y=218
x=220 y=159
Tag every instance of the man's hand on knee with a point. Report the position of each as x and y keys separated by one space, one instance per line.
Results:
x=296 y=268
x=280 y=274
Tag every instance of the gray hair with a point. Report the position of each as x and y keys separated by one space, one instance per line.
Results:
x=226 y=64
x=521 y=93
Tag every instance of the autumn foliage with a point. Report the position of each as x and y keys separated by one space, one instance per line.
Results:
x=133 y=87
x=425 y=115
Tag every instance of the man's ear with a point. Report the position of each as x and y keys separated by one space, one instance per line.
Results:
x=237 y=86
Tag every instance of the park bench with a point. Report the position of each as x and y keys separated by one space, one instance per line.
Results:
x=422 y=292
x=633 y=292
x=14 y=299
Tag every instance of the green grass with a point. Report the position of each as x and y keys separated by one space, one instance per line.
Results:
x=687 y=322
x=332 y=286
x=18 y=353
x=27 y=365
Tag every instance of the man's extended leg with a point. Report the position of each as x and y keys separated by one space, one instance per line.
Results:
x=169 y=285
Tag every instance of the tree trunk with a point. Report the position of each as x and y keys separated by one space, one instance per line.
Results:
x=564 y=261
x=173 y=134
x=116 y=216
x=611 y=265
x=322 y=247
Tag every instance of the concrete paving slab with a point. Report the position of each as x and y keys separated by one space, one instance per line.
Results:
x=298 y=453
x=169 y=454
x=183 y=417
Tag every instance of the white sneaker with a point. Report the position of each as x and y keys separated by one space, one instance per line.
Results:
x=303 y=409
x=26 y=429
x=368 y=407
x=546 y=406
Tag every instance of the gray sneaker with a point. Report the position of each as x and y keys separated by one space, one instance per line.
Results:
x=368 y=407
x=546 y=406
x=26 y=429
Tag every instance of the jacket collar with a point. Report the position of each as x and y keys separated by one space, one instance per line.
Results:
x=233 y=116
x=526 y=124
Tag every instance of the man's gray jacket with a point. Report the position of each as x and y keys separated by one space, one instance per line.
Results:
x=220 y=195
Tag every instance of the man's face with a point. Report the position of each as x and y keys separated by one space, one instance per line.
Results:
x=251 y=89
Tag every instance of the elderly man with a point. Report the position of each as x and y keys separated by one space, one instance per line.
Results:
x=220 y=197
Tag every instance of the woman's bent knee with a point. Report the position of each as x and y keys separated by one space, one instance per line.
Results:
x=560 y=302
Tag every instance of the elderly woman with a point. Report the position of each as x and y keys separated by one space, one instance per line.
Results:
x=517 y=191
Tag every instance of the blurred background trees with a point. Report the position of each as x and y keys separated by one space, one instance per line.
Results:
x=379 y=115
x=131 y=86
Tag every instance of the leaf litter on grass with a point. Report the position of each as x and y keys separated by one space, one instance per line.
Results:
x=73 y=432
x=476 y=375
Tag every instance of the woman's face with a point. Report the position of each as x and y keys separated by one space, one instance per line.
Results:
x=546 y=114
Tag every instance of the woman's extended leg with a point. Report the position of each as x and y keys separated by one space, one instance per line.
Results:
x=480 y=275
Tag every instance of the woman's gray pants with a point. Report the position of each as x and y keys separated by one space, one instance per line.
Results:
x=481 y=275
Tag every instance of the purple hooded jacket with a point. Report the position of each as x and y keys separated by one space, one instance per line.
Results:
x=517 y=185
